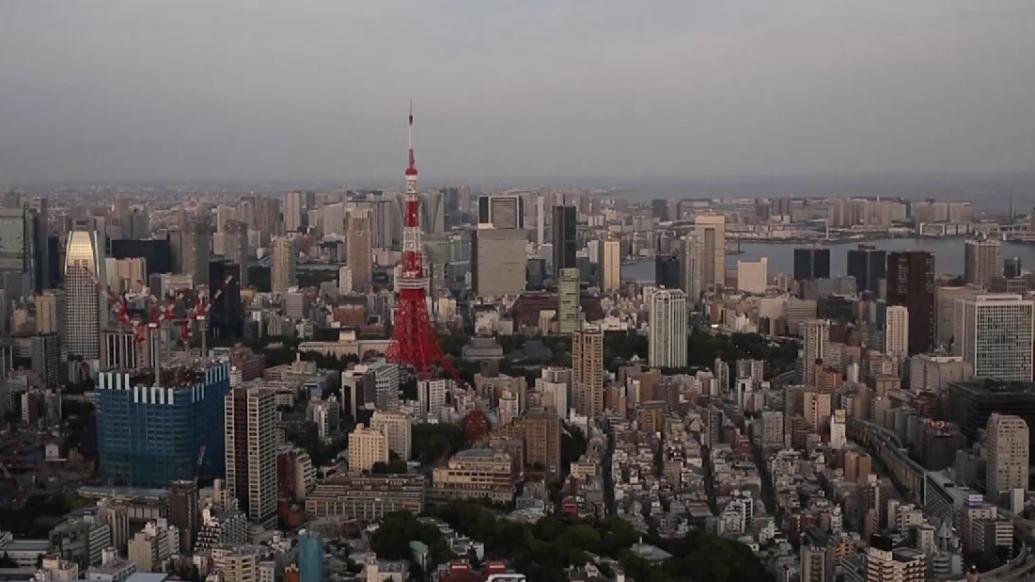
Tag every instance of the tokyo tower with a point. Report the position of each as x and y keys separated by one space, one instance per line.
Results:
x=414 y=342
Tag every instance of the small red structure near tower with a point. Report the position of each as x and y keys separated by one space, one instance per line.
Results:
x=414 y=342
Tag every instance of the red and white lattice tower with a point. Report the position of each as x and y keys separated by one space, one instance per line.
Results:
x=414 y=342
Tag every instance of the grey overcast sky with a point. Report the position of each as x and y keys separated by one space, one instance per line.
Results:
x=130 y=90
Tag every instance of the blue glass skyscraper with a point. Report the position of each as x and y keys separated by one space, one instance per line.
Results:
x=150 y=436
x=310 y=557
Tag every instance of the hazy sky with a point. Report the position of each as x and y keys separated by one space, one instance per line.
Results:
x=300 y=89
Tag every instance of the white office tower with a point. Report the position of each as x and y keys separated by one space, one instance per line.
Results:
x=896 y=332
x=1006 y=444
x=431 y=397
x=752 y=276
x=667 y=328
x=994 y=334
x=85 y=311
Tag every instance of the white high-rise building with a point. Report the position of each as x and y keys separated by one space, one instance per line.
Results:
x=896 y=332
x=815 y=334
x=994 y=333
x=366 y=447
x=753 y=275
x=397 y=427
x=667 y=328
x=251 y=456
x=610 y=265
x=85 y=311
x=1006 y=443
x=431 y=397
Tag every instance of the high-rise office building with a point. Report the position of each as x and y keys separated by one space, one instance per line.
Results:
x=564 y=242
x=235 y=247
x=185 y=512
x=498 y=261
x=995 y=333
x=85 y=311
x=1006 y=444
x=982 y=261
x=46 y=358
x=150 y=434
x=431 y=397
x=157 y=253
x=753 y=276
x=293 y=211
x=251 y=456
x=667 y=272
x=504 y=211
x=360 y=254
x=811 y=263
x=568 y=313
x=896 y=332
x=667 y=328
x=711 y=230
x=194 y=248
x=1012 y=267
x=225 y=312
x=610 y=265
x=868 y=266
x=911 y=283
x=587 y=362
x=267 y=218
x=973 y=402
x=692 y=267
x=815 y=336
x=367 y=446
x=42 y=258
x=282 y=264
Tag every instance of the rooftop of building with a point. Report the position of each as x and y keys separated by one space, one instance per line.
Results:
x=992 y=386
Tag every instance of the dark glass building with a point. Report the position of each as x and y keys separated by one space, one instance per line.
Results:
x=563 y=238
x=150 y=436
x=972 y=402
x=666 y=272
x=868 y=265
x=156 y=252
x=811 y=263
x=226 y=316
x=1012 y=268
x=911 y=283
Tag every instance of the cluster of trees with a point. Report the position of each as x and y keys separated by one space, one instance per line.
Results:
x=436 y=442
x=392 y=539
x=703 y=347
x=543 y=550
x=40 y=513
